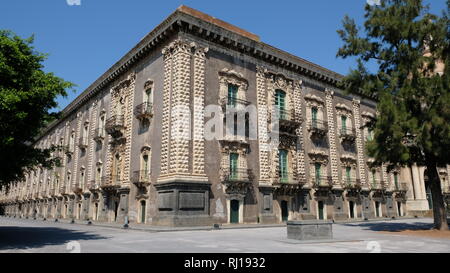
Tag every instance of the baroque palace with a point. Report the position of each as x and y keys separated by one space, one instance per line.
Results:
x=126 y=156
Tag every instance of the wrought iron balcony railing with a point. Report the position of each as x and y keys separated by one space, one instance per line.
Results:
x=77 y=188
x=401 y=187
x=99 y=134
x=62 y=190
x=322 y=181
x=110 y=181
x=317 y=126
x=144 y=110
x=347 y=134
x=141 y=178
x=235 y=175
x=286 y=178
x=233 y=103
x=351 y=183
x=376 y=185
x=114 y=125
x=93 y=185
x=83 y=142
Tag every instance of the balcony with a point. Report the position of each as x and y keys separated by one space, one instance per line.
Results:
x=62 y=190
x=233 y=104
x=99 y=134
x=286 y=183
x=347 y=134
x=141 y=178
x=318 y=127
x=377 y=186
x=401 y=187
x=143 y=111
x=93 y=185
x=110 y=182
x=322 y=182
x=77 y=188
x=83 y=142
x=70 y=148
x=52 y=192
x=236 y=180
x=288 y=121
x=115 y=126
x=351 y=184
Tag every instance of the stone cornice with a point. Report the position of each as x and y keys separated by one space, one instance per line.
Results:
x=190 y=21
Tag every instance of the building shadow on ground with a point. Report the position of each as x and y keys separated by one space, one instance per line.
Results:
x=13 y=237
x=394 y=226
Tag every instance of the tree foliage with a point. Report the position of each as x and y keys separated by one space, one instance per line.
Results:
x=409 y=47
x=27 y=95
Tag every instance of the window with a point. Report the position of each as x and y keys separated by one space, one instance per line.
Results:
x=317 y=170
x=148 y=95
x=234 y=165
x=280 y=103
x=283 y=164
x=314 y=112
x=98 y=174
x=396 y=180
x=348 y=171
x=369 y=134
x=232 y=94
x=374 y=173
x=344 y=123
x=145 y=166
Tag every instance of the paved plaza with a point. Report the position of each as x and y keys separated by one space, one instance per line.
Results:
x=26 y=235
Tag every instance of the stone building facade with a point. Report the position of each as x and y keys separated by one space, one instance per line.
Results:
x=136 y=146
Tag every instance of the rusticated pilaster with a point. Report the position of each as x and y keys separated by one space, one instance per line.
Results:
x=359 y=143
x=198 y=148
x=332 y=138
x=263 y=135
x=301 y=170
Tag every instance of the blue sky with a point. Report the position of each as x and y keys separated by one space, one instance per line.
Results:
x=84 y=41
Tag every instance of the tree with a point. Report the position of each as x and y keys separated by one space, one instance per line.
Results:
x=27 y=95
x=410 y=49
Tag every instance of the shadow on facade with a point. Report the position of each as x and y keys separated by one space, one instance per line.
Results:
x=13 y=237
x=394 y=227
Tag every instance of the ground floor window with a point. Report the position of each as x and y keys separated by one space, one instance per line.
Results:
x=321 y=208
x=284 y=211
x=143 y=211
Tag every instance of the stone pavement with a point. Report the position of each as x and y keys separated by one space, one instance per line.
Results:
x=25 y=235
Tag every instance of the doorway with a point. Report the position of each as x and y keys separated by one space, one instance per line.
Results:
x=234 y=211
x=351 y=205
x=143 y=210
x=321 y=210
x=284 y=211
x=116 y=208
x=399 y=209
x=377 y=209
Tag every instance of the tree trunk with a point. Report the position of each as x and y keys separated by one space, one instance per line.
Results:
x=439 y=209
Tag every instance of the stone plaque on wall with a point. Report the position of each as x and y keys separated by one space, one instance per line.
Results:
x=166 y=200
x=192 y=201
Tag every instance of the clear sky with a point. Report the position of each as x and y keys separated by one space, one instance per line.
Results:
x=83 y=41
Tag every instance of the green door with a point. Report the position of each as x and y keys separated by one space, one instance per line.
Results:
x=280 y=103
x=284 y=211
x=283 y=165
x=321 y=214
x=234 y=211
x=234 y=165
x=232 y=94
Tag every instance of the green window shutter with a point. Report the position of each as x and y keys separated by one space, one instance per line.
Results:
x=348 y=174
x=314 y=116
x=233 y=165
x=344 y=123
x=317 y=172
x=283 y=164
x=396 y=180
x=232 y=94
x=148 y=95
x=280 y=102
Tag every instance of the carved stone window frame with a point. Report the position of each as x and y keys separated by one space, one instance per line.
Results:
x=230 y=76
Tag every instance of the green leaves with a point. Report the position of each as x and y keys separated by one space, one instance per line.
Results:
x=27 y=94
x=411 y=47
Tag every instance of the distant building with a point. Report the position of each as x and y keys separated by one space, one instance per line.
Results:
x=135 y=140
